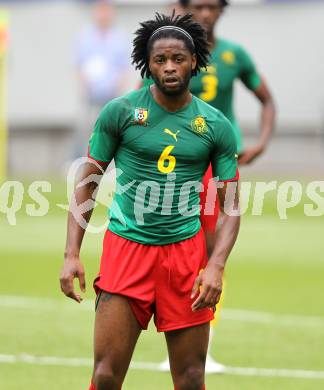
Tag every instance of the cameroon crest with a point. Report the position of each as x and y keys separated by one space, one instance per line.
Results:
x=141 y=115
x=228 y=57
x=199 y=125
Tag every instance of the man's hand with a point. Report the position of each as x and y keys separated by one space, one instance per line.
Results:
x=84 y=194
x=209 y=286
x=209 y=282
x=72 y=268
x=250 y=154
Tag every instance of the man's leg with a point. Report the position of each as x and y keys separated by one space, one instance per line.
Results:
x=187 y=353
x=115 y=336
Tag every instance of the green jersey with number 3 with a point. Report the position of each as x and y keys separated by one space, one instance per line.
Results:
x=228 y=62
x=160 y=158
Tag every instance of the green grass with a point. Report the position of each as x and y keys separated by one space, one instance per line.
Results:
x=277 y=267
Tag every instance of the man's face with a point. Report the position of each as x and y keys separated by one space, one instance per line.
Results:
x=171 y=64
x=206 y=12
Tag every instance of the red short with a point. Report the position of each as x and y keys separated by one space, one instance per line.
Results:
x=157 y=279
x=209 y=204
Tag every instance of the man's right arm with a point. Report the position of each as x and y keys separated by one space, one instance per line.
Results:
x=102 y=147
x=80 y=212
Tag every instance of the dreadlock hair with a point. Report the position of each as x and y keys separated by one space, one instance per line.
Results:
x=144 y=40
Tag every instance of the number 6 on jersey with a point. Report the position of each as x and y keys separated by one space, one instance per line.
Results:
x=167 y=163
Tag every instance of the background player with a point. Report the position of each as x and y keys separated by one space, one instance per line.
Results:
x=153 y=133
x=229 y=62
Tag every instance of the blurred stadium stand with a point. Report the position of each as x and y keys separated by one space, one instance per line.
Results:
x=284 y=37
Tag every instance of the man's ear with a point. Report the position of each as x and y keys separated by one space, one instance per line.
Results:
x=193 y=62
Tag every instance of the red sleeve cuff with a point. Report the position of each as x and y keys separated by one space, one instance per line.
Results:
x=103 y=164
x=236 y=178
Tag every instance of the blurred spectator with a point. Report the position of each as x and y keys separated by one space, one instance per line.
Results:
x=103 y=60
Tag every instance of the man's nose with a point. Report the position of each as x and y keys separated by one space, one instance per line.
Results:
x=205 y=13
x=169 y=67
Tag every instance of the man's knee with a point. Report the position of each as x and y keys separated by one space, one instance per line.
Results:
x=192 y=378
x=104 y=377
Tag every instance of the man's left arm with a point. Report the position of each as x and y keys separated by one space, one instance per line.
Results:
x=224 y=164
x=209 y=282
x=257 y=85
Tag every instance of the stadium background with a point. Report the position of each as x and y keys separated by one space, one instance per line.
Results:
x=271 y=335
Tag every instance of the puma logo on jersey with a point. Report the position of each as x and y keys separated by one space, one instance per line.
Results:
x=174 y=135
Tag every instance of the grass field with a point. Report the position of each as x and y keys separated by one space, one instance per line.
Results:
x=273 y=315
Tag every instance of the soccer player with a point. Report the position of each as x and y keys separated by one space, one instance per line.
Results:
x=154 y=259
x=229 y=62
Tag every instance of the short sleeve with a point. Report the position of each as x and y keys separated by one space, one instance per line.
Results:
x=105 y=137
x=224 y=156
x=248 y=72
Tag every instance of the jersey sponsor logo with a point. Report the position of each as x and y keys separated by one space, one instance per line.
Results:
x=140 y=116
x=174 y=135
x=228 y=57
x=199 y=125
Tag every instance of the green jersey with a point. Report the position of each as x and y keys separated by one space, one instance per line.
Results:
x=228 y=62
x=160 y=158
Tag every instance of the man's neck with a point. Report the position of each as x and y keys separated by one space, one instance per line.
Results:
x=171 y=103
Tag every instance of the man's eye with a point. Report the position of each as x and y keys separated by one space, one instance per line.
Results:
x=159 y=60
x=179 y=59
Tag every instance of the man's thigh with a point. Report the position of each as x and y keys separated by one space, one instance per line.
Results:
x=187 y=350
x=116 y=333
